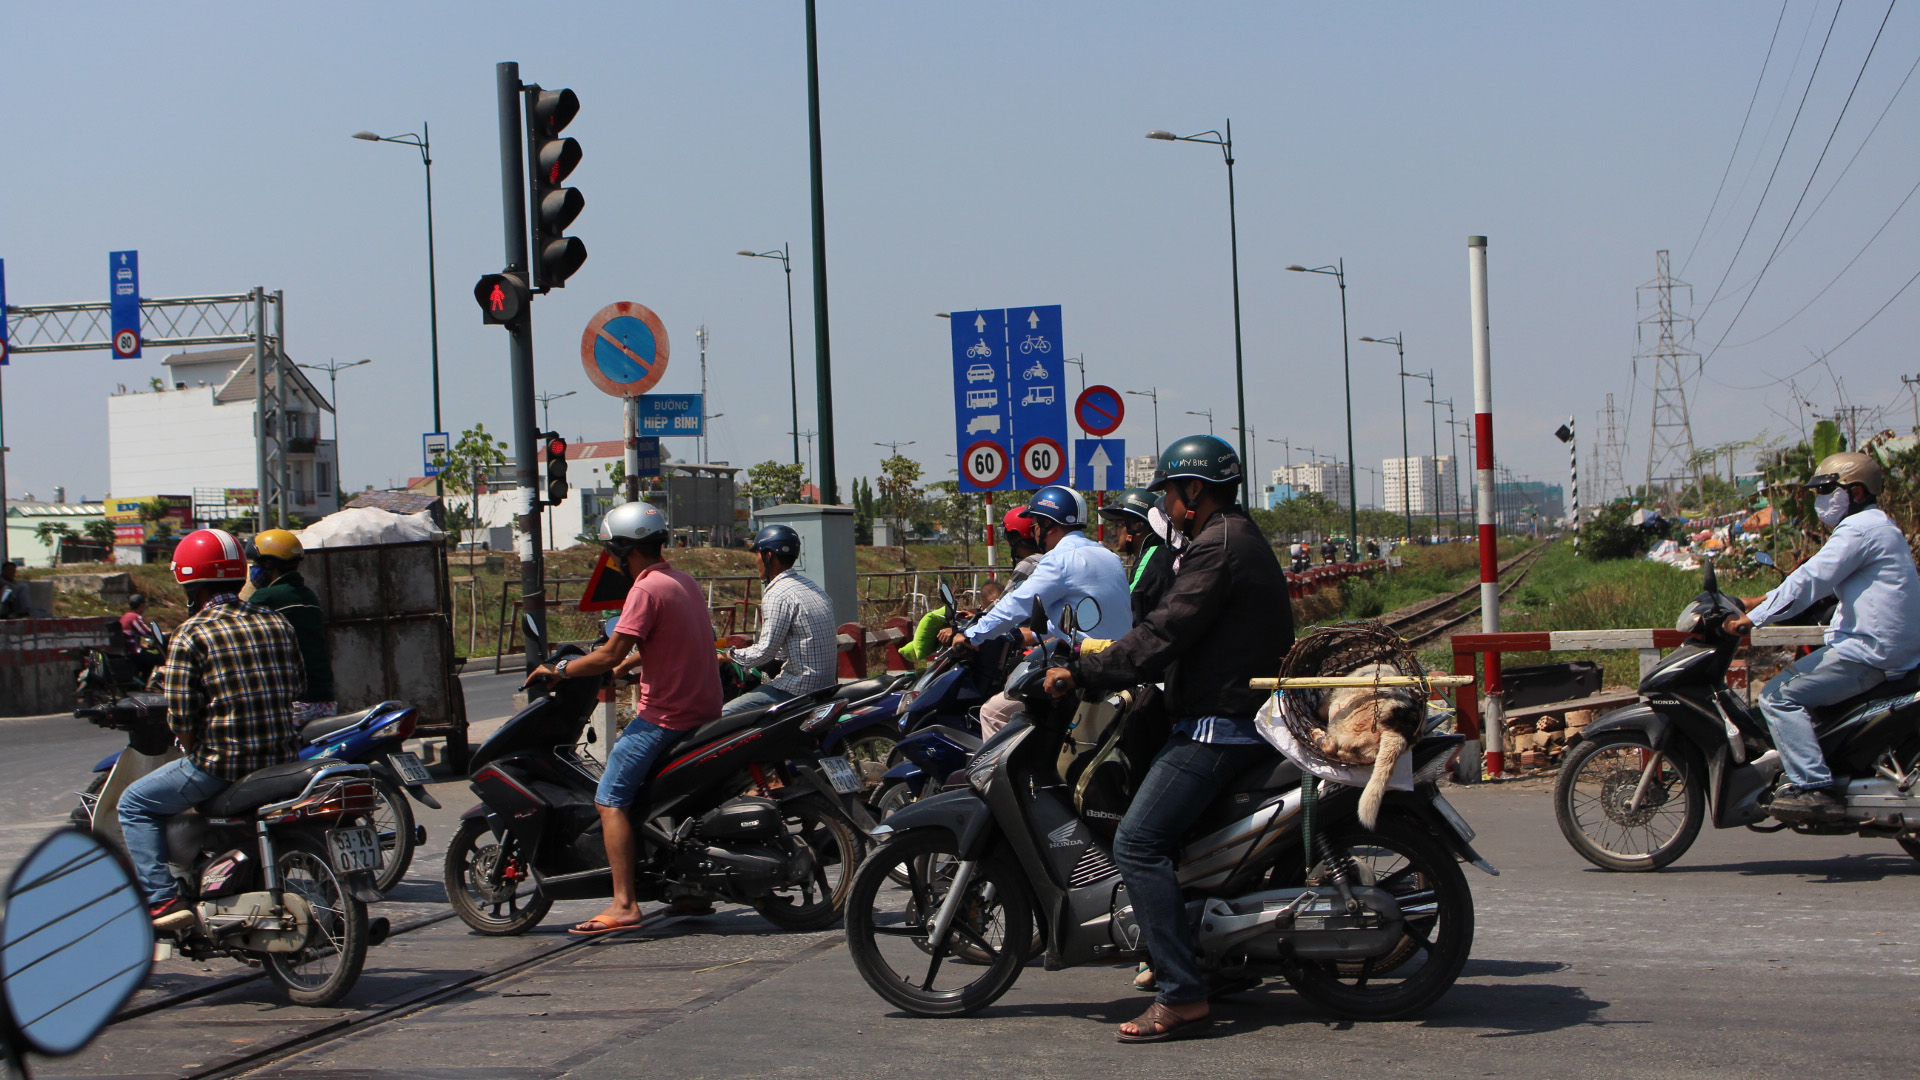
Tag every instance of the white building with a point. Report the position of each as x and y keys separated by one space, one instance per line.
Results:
x=196 y=433
x=1432 y=491
x=1140 y=469
x=1323 y=477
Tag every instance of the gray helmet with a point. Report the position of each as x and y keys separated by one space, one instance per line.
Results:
x=1202 y=457
x=1134 y=502
x=626 y=525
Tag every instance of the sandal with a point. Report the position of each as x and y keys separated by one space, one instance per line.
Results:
x=1161 y=1024
x=1143 y=980
x=599 y=925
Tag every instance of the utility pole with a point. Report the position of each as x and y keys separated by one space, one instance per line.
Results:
x=526 y=437
x=1611 y=474
x=822 y=353
x=1670 y=438
x=1912 y=382
x=700 y=335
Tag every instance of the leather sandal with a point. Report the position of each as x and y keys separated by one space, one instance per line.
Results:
x=1161 y=1024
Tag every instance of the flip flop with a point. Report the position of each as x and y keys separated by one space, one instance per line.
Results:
x=1164 y=1025
x=1143 y=980
x=599 y=925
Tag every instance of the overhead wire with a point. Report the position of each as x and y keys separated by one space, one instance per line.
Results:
x=1738 y=138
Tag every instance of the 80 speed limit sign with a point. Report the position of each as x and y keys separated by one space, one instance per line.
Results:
x=126 y=343
x=985 y=464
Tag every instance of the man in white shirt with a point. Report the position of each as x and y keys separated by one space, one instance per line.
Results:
x=796 y=627
x=1875 y=634
x=1073 y=567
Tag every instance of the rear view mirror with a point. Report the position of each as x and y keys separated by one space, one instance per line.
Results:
x=947 y=598
x=1037 y=622
x=532 y=628
x=1764 y=559
x=1086 y=613
x=1712 y=580
x=75 y=942
x=1067 y=622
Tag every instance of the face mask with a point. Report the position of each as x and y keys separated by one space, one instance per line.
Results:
x=1832 y=507
x=257 y=575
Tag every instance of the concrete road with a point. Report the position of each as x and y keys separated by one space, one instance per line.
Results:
x=1756 y=956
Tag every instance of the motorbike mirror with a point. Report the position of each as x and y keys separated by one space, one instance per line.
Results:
x=1086 y=613
x=75 y=942
x=1037 y=622
x=606 y=628
x=1067 y=622
x=947 y=598
x=1712 y=580
x=1765 y=559
x=532 y=628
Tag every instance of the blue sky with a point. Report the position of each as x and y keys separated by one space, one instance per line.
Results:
x=979 y=155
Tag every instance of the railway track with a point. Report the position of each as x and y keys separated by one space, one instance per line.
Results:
x=1432 y=620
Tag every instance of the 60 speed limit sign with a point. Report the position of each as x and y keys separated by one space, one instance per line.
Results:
x=1042 y=461
x=985 y=464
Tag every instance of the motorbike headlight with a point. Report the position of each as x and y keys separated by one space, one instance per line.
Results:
x=980 y=770
x=907 y=699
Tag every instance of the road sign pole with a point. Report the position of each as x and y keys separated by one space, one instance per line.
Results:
x=526 y=433
x=986 y=502
x=630 y=409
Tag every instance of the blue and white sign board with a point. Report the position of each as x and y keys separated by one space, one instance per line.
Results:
x=1100 y=464
x=647 y=450
x=3 y=311
x=123 y=272
x=433 y=452
x=672 y=414
x=1010 y=398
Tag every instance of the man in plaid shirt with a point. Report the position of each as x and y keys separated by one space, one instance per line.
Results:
x=232 y=673
x=796 y=627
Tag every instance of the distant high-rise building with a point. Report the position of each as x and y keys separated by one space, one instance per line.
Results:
x=1321 y=477
x=1140 y=469
x=1432 y=490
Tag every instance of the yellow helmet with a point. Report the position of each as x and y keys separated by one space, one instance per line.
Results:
x=1850 y=467
x=276 y=544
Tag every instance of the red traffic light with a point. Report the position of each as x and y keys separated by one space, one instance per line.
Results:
x=553 y=110
x=556 y=449
x=502 y=297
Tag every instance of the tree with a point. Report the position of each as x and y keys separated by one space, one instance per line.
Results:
x=51 y=533
x=862 y=511
x=99 y=531
x=465 y=466
x=900 y=493
x=154 y=512
x=955 y=511
x=775 y=481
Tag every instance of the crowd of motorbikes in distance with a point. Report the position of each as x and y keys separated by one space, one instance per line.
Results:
x=955 y=860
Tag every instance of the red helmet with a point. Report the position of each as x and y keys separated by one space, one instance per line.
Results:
x=1018 y=523
x=209 y=555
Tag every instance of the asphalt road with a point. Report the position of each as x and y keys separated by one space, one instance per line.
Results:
x=1755 y=956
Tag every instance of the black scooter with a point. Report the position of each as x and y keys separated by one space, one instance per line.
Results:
x=1373 y=925
x=1636 y=785
x=746 y=809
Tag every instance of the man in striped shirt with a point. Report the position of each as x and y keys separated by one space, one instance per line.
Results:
x=796 y=627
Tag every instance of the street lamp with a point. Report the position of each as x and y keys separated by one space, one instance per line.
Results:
x=1433 y=477
x=1208 y=413
x=546 y=409
x=1081 y=363
x=1375 y=473
x=422 y=143
x=807 y=435
x=894 y=447
x=1253 y=440
x=793 y=370
x=333 y=368
x=1453 y=447
x=1406 y=488
x=1154 y=393
x=1338 y=271
x=1225 y=142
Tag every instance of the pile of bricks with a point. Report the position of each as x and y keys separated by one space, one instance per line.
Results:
x=1539 y=742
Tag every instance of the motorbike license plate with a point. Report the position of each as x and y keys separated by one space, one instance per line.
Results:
x=353 y=849
x=1453 y=817
x=410 y=769
x=842 y=775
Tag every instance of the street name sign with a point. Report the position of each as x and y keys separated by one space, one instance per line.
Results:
x=672 y=414
x=624 y=349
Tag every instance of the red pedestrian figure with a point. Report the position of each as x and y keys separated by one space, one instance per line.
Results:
x=498 y=299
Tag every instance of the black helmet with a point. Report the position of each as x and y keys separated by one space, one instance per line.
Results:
x=1133 y=502
x=778 y=540
x=1203 y=457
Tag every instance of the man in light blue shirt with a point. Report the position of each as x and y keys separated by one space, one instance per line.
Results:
x=1875 y=634
x=1073 y=567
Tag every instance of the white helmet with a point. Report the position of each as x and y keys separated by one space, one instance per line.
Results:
x=626 y=525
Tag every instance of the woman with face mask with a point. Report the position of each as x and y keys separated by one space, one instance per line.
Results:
x=1868 y=568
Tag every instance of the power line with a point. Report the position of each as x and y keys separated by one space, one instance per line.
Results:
x=1876 y=314
x=1728 y=171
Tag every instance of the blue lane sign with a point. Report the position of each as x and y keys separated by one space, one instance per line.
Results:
x=3 y=311
x=647 y=449
x=1040 y=407
x=672 y=414
x=124 y=281
x=1010 y=404
x=1099 y=464
x=983 y=415
x=433 y=452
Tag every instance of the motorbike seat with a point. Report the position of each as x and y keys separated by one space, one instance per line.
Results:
x=727 y=725
x=1268 y=774
x=275 y=783
x=329 y=725
x=965 y=741
x=865 y=688
x=1829 y=714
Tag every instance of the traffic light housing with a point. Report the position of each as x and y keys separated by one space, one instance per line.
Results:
x=551 y=158
x=556 y=468
x=502 y=298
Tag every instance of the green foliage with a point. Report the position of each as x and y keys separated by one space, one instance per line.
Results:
x=862 y=511
x=51 y=533
x=900 y=493
x=1609 y=534
x=775 y=482
x=99 y=531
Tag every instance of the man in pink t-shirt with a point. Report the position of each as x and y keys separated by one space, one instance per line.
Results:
x=667 y=628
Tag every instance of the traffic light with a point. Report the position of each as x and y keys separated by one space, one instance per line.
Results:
x=556 y=469
x=550 y=160
x=502 y=297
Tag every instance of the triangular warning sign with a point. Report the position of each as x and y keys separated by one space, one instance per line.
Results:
x=607 y=589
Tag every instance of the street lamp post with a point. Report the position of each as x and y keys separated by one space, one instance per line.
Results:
x=1225 y=142
x=1154 y=393
x=1406 y=488
x=1432 y=482
x=1208 y=413
x=793 y=370
x=424 y=145
x=1453 y=448
x=333 y=368
x=1375 y=473
x=1252 y=468
x=1338 y=271
x=1081 y=363
x=807 y=435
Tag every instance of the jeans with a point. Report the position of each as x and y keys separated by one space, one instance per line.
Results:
x=146 y=805
x=1184 y=780
x=1816 y=679
x=630 y=760
x=757 y=698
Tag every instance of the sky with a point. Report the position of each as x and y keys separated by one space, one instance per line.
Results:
x=986 y=155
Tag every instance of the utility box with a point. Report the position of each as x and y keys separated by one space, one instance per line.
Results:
x=826 y=550
x=1543 y=684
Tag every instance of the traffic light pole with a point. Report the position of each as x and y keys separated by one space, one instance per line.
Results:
x=526 y=429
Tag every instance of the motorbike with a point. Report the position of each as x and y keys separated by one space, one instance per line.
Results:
x=1281 y=878
x=1637 y=784
x=869 y=735
x=108 y=674
x=278 y=867
x=786 y=846
x=372 y=737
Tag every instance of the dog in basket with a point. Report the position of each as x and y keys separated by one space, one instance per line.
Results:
x=1369 y=725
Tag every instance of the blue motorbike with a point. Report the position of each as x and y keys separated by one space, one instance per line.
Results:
x=373 y=737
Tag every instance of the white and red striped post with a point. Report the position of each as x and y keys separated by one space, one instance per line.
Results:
x=1493 y=719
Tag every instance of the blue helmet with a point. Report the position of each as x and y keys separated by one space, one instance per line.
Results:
x=1059 y=504
x=778 y=540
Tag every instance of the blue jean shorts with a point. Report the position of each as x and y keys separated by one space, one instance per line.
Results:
x=640 y=745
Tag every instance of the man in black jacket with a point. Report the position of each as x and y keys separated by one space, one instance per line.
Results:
x=1133 y=511
x=1225 y=620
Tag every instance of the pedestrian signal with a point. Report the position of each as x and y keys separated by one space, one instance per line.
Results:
x=502 y=297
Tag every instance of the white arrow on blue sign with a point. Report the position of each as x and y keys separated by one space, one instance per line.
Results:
x=1100 y=464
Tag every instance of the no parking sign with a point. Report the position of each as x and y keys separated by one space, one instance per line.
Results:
x=624 y=349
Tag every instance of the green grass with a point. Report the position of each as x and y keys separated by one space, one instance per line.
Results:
x=1425 y=574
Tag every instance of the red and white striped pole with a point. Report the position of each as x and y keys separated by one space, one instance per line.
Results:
x=1493 y=719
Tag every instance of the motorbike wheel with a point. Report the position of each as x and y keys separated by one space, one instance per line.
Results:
x=1401 y=857
x=816 y=903
x=500 y=912
x=1911 y=846
x=888 y=926
x=872 y=755
x=1590 y=797
x=392 y=822
x=81 y=816
x=327 y=968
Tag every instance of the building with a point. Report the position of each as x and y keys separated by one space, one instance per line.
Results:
x=1140 y=469
x=1517 y=501
x=1332 y=479
x=1275 y=494
x=194 y=433
x=25 y=517
x=1434 y=489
